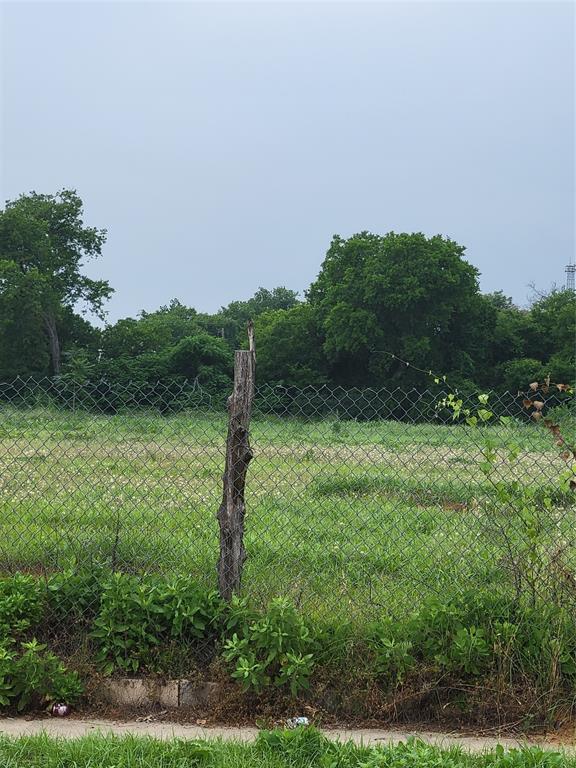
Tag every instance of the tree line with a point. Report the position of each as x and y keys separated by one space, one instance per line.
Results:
x=378 y=302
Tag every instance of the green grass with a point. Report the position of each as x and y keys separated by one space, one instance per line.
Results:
x=307 y=749
x=341 y=516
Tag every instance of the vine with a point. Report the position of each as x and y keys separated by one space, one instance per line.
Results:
x=524 y=533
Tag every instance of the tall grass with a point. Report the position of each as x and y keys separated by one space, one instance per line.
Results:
x=342 y=516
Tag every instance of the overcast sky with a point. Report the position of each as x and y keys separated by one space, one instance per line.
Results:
x=222 y=145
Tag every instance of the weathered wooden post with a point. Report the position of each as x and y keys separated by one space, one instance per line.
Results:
x=238 y=456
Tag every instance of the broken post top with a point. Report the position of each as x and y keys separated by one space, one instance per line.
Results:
x=251 y=342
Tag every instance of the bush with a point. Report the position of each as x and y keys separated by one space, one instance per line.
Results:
x=190 y=613
x=479 y=635
x=517 y=374
x=40 y=677
x=29 y=674
x=163 y=625
x=34 y=676
x=272 y=649
x=138 y=614
x=393 y=658
x=21 y=605
x=74 y=596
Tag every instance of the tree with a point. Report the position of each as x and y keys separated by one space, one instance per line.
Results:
x=289 y=347
x=204 y=358
x=507 y=339
x=151 y=331
x=516 y=375
x=499 y=300
x=23 y=348
x=399 y=294
x=169 y=344
x=43 y=246
x=76 y=332
x=554 y=325
x=231 y=320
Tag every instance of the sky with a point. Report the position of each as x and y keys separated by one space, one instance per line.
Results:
x=222 y=145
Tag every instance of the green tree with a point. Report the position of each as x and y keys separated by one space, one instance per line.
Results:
x=23 y=347
x=553 y=318
x=43 y=246
x=402 y=294
x=508 y=339
x=289 y=347
x=512 y=332
x=169 y=344
x=516 y=375
x=76 y=332
x=499 y=300
x=151 y=331
x=230 y=321
x=202 y=357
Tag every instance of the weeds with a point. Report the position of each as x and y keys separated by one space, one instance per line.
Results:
x=154 y=625
x=273 y=649
x=138 y=614
x=341 y=514
x=374 y=532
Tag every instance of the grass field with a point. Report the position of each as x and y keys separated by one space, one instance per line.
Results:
x=272 y=750
x=341 y=515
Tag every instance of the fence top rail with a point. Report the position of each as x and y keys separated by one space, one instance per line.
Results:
x=185 y=386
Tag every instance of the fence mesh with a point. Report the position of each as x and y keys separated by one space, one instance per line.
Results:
x=358 y=503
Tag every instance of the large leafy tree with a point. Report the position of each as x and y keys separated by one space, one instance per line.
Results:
x=150 y=332
x=398 y=294
x=230 y=321
x=529 y=344
x=23 y=347
x=43 y=247
x=289 y=347
x=202 y=358
x=553 y=317
x=512 y=329
x=169 y=344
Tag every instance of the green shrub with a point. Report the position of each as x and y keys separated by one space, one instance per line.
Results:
x=238 y=615
x=393 y=658
x=139 y=613
x=74 y=596
x=190 y=613
x=6 y=676
x=125 y=628
x=544 y=648
x=272 y=649
x=477 y=635
x=165 y=625
x=469 y=653
x=458 y=636
x=40 y=677
x=21 y=605
x=35 y=676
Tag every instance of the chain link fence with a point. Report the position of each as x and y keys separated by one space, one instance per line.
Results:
x=358 y=503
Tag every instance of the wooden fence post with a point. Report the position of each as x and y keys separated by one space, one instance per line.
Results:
x=238 y=456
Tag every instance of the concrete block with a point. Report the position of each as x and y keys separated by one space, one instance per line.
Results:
x=137 y=692
x=129 y=692
x=169 y=694
x=193 y=694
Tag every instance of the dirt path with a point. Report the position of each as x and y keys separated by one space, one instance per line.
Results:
x=71 y=728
